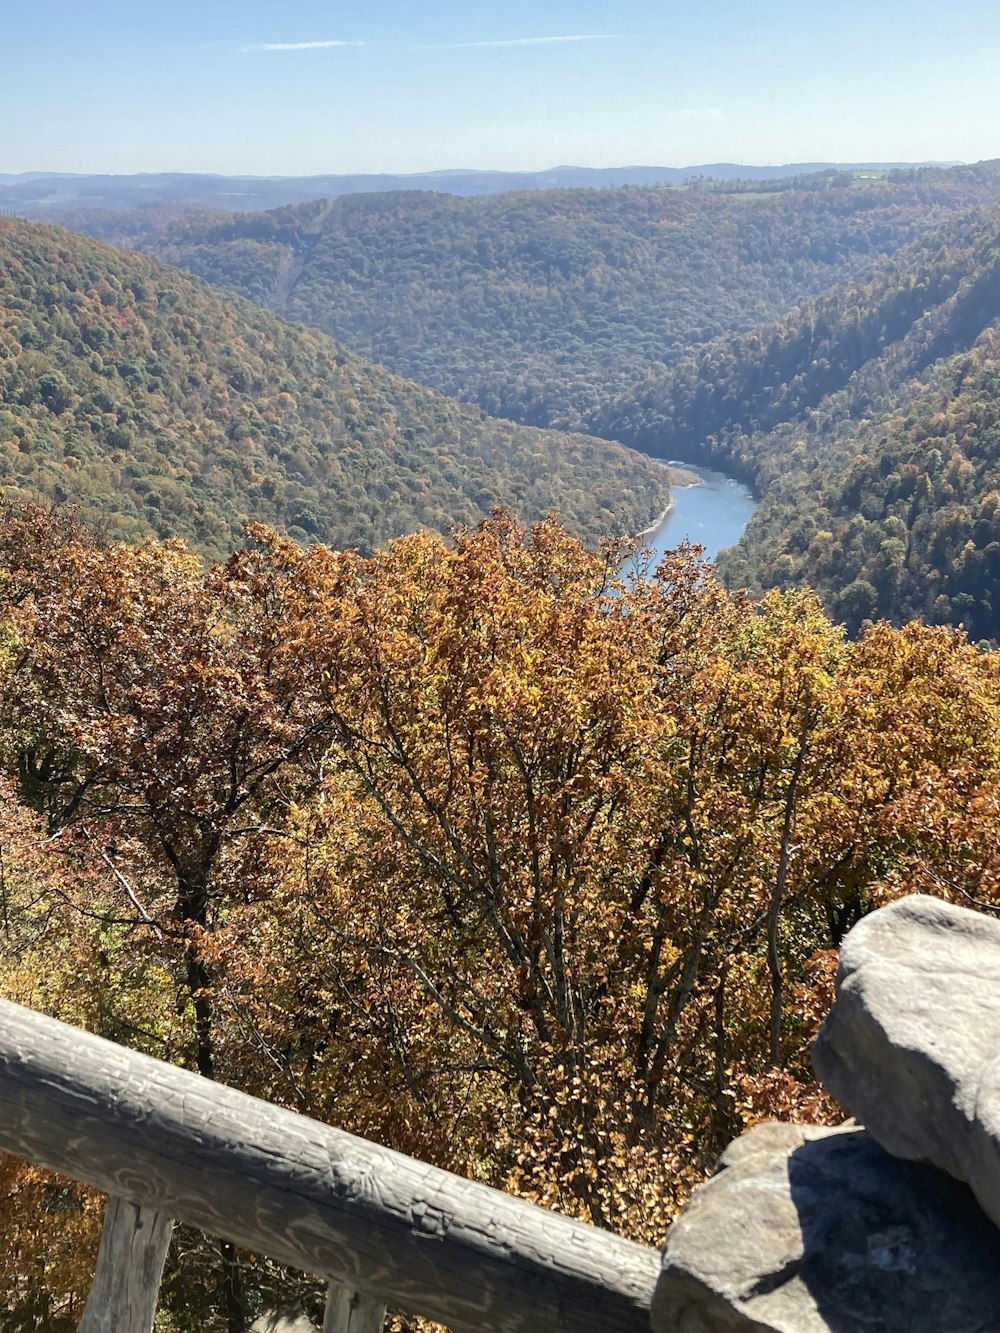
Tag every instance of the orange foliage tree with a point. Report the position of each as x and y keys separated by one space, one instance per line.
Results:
x=479 y=848
x=150 y=719
x=554 y=907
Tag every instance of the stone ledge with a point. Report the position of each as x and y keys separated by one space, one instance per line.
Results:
x=820 y=1231
x=912 y=1044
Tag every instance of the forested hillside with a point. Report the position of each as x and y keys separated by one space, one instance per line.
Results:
x=547 y=306
x=868 y=420
x=158 y=404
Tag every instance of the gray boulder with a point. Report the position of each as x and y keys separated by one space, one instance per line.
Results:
x=283 y=1323
x=807 y=1230
x=912 y=1044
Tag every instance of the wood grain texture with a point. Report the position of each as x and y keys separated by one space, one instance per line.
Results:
x=352 y=1312
x=126 y=1283
x=317 y=1198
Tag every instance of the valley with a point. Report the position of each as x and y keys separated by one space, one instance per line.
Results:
x=794 y=339
x=342 y=761
x=866 y=421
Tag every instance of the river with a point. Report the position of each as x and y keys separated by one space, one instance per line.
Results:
x=713 y=513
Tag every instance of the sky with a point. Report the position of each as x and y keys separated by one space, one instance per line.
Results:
x=304 y=87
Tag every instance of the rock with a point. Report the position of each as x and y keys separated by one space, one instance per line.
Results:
x=912 y=1044
x=807 y=1230
x=283 y=1323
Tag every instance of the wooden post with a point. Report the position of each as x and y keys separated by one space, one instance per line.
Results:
x=130 y=1262
x=171 y=1142
x=352 y=1312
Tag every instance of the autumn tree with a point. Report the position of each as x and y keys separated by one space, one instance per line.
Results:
x=577 y=842
x=150 y=718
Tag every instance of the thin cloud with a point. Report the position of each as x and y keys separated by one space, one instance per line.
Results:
x=299 y=46
x=524 y=41
x=444 y=46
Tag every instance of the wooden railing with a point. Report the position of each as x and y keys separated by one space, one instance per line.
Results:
x=382 y=1228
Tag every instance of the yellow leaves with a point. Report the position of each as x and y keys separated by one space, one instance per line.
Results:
x=567 y=812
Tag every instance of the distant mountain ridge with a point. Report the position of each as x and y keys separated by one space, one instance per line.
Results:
x=30 y=191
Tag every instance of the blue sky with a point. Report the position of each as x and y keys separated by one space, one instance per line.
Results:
x=306 y=87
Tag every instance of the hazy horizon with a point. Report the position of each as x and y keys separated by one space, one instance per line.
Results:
x=490 y=170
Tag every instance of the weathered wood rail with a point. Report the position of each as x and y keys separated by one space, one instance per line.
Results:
x=168 y=1145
